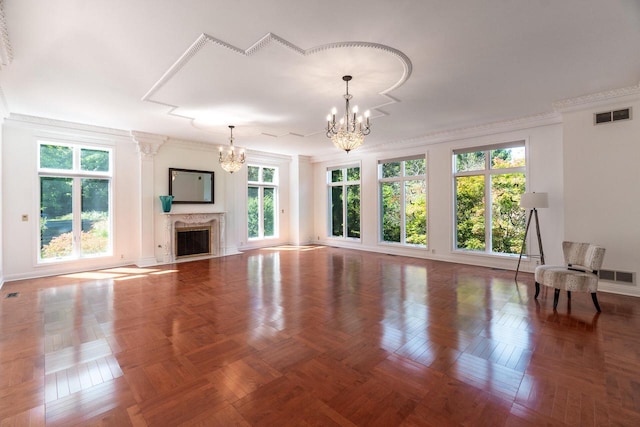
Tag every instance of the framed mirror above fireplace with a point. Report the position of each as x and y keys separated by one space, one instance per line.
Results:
x=191 y=186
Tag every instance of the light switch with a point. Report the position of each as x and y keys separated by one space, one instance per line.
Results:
x=25 y=217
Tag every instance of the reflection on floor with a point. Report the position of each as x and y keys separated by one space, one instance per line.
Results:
x=313 y=336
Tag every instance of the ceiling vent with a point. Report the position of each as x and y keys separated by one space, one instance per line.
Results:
x=612 y=116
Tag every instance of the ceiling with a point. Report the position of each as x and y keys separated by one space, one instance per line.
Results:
x=187 y=69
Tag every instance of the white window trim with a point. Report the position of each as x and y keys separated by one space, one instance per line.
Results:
x=344 y=185
x=261 y=186
x=402 y=179
x=77 y=175
x=486 y=172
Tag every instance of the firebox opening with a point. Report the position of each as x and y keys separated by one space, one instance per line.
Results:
x=193 y=241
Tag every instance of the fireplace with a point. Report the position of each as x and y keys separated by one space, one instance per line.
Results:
x=194 y=235
x=192 y=241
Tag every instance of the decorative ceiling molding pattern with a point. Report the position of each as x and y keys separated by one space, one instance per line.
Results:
x=6 y=53
x=595 y=99
x=261 y=44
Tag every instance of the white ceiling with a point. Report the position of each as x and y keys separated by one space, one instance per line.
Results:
x=187 y=69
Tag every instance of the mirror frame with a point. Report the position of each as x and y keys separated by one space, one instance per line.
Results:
x=193 y=171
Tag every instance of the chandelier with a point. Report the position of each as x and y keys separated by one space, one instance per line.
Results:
x=230 y=161
x=348 y=134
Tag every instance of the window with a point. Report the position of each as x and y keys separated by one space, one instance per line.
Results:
x=495 y=174
x=262 y=202
x=403 y=201
x=344 y=201
x=75 y=201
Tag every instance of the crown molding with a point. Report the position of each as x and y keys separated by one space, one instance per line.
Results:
x=263 y=156
x=597 y=99
x=64 y=127
x=193 y=145
x=259 y=45
x=6 y=53
x=503 y=126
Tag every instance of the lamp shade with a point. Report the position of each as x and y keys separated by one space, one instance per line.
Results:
x=534 y=200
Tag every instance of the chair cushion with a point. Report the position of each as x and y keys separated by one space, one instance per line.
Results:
x=560 y=277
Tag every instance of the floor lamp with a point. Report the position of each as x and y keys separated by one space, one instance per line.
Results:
x=532 y=201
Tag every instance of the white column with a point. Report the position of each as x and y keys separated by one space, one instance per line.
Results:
x=301 y=200
x=148 y=146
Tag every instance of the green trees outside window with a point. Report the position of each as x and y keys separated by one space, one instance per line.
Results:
x=261 y=202
x=344 y=202
x=496 y=175
x=75 y=212
x=403 y=199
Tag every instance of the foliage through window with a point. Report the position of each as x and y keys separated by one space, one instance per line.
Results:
x=403 y=199
x=75 y=201
x=262 y=206
x=495 y=174
x=344 y=201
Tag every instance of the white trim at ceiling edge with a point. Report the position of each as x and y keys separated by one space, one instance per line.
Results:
x=63 y=127
x=596 y=99
x=536 y=120
x=204 y=39
x=503 y=126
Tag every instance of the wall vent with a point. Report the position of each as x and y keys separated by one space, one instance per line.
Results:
x=623 y=277
x=612 y=116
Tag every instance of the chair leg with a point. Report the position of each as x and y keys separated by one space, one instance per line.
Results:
x=595 y=301
x=569 y=294
x=556 y=295
x=537 y=290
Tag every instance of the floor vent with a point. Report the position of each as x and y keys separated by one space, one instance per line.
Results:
x=623 y=277
x=12 y=295
x=612 y=116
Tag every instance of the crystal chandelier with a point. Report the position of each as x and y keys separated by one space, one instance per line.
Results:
x=348 y=134
x=230 y=161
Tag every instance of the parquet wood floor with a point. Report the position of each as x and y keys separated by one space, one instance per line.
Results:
x=313 y=336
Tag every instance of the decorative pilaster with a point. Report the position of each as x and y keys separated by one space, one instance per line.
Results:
x=148 y=146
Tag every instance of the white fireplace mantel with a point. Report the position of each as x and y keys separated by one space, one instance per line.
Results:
x=215 y=220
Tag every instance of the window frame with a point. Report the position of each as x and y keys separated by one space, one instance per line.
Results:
x=403 y=179
x=487 y=173
x=261 y=184
x=77 y=175
x=344 y=184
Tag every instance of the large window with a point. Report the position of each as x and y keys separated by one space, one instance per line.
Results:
x=344 y=201
x=488 y=184
x=75 y=201
x=403 y=201
x=262 y=202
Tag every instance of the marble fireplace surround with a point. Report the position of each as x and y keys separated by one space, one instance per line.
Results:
x=174 y=222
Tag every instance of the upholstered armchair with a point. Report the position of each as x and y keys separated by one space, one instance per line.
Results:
x=583 y=260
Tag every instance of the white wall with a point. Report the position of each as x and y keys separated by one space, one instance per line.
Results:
x=301 y=201
x=544 y=174
x=20 y=195
x=601 y=175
